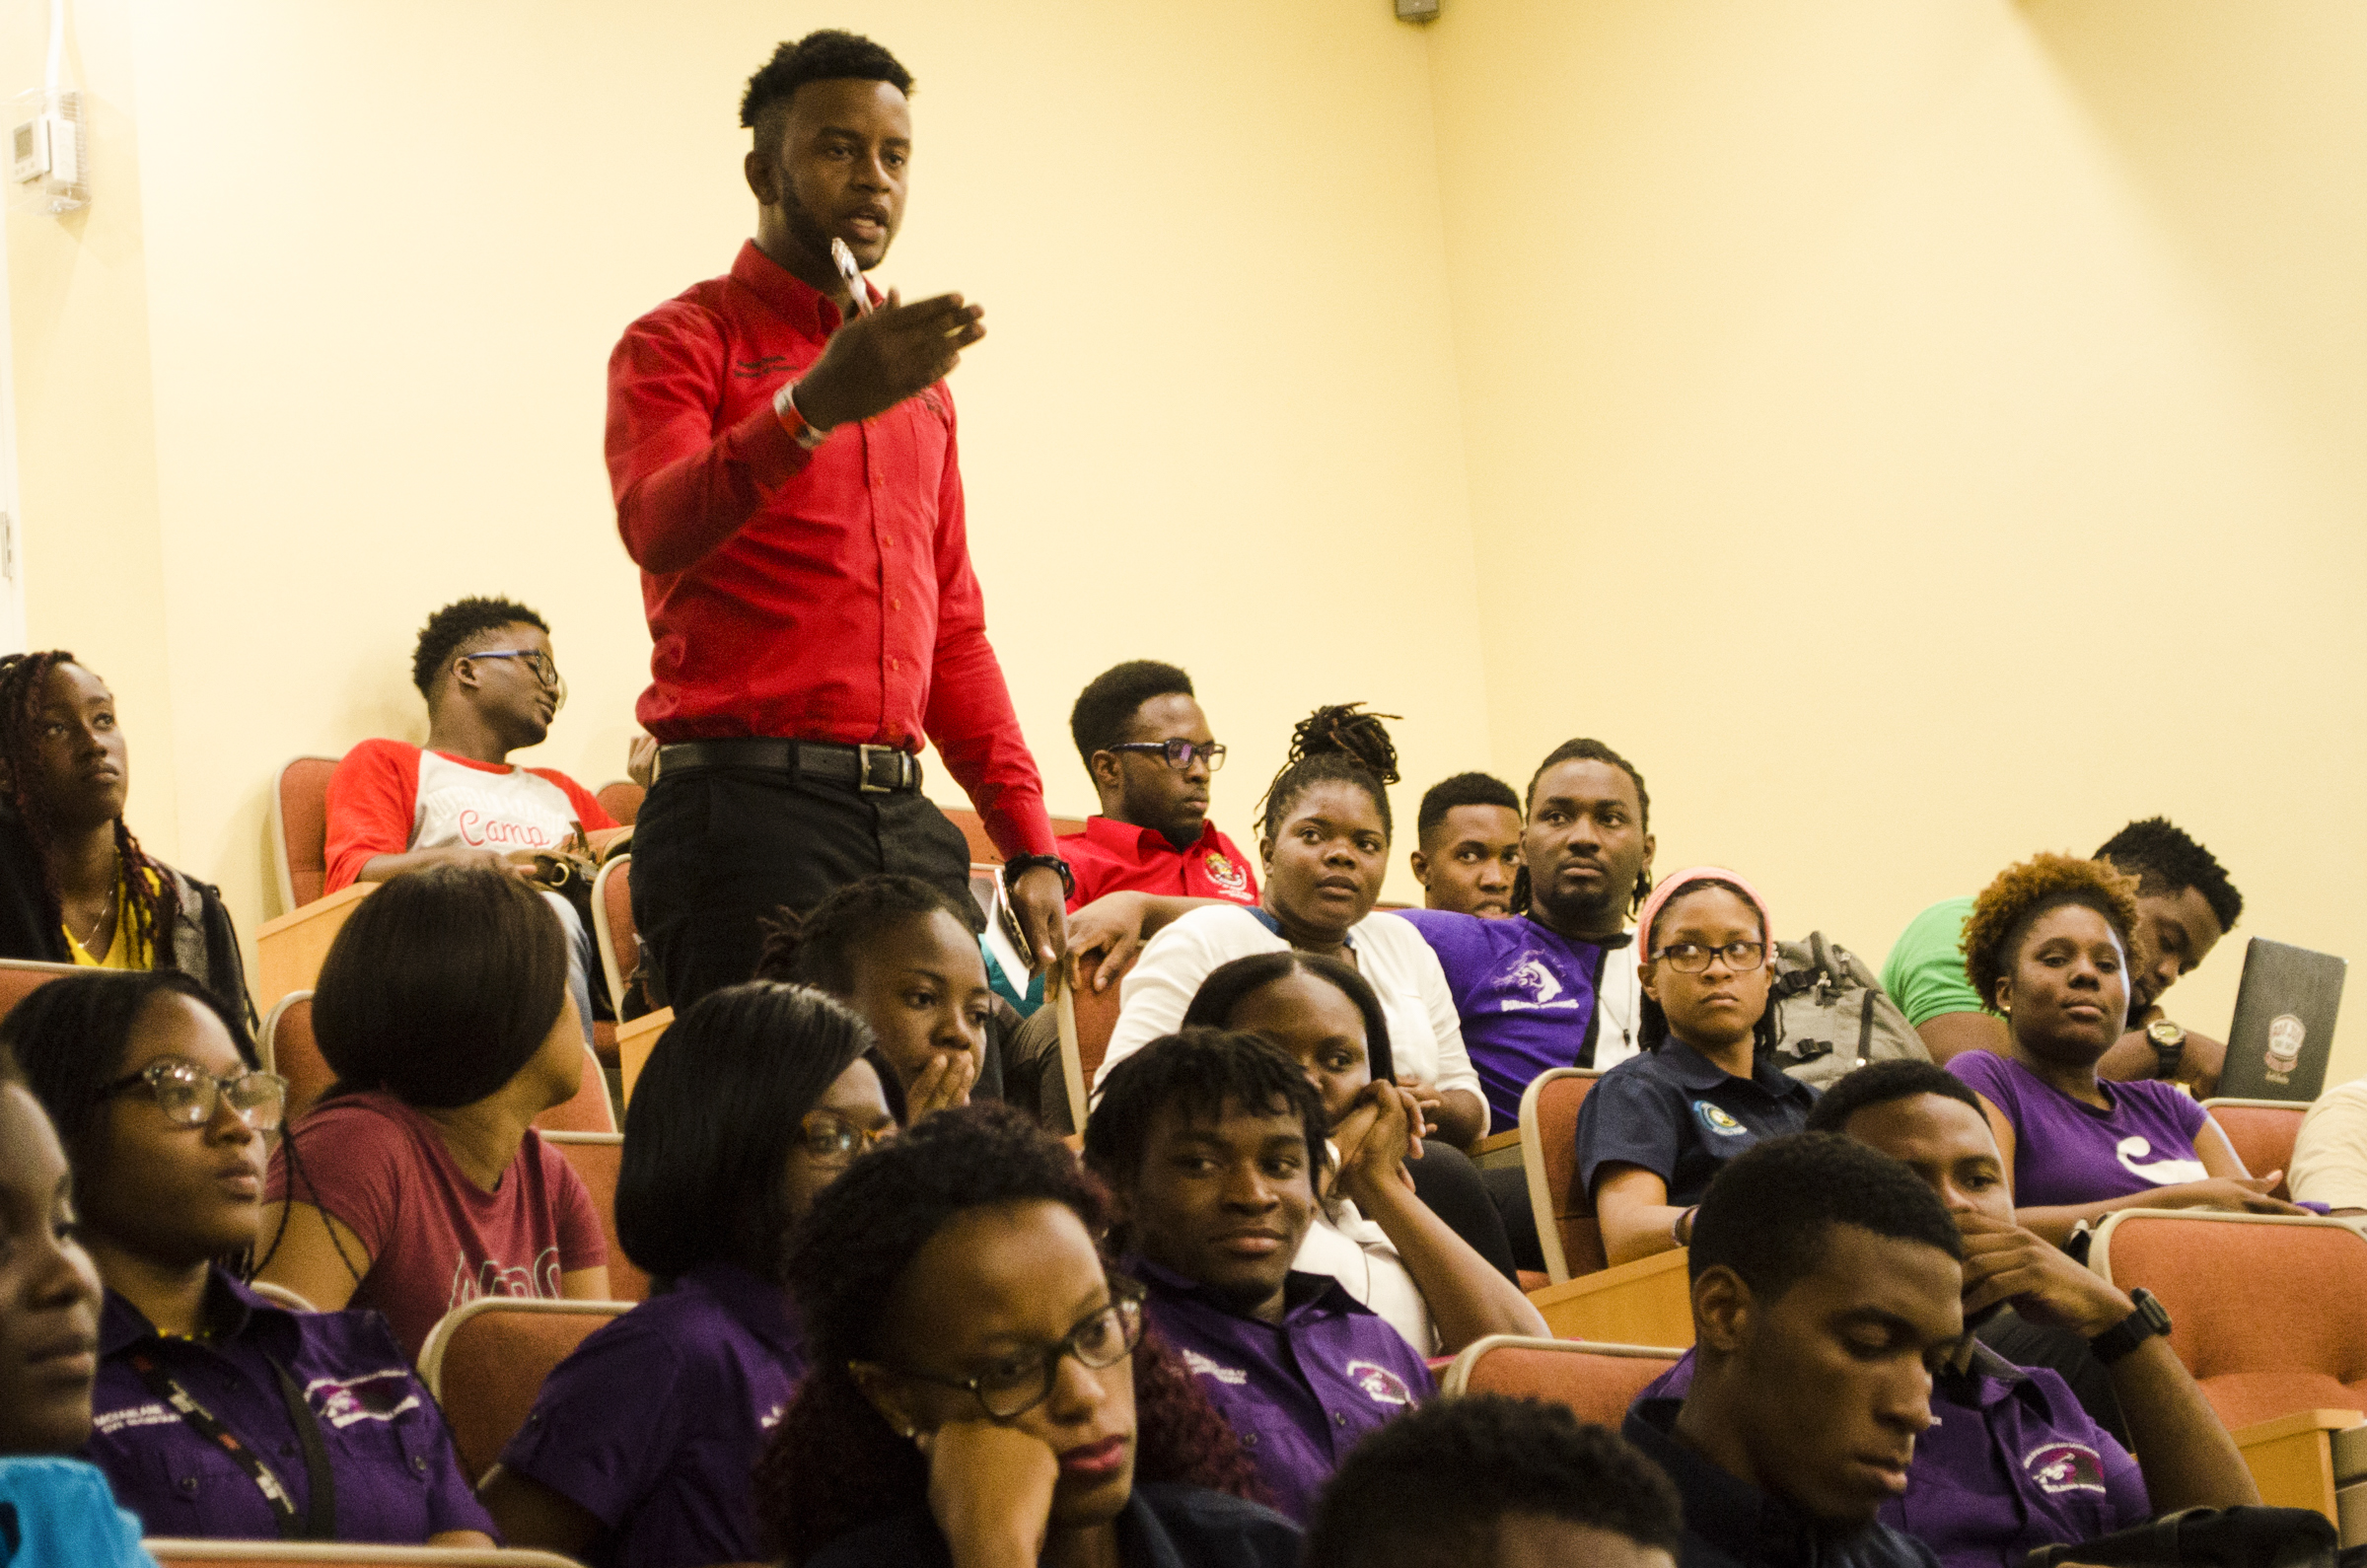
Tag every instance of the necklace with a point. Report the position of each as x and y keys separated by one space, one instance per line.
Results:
x=105 y=911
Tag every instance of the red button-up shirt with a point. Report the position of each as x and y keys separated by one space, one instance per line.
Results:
x=823 y=596
x=1118 y=857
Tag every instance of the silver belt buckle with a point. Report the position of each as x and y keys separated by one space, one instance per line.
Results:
x=863 y=755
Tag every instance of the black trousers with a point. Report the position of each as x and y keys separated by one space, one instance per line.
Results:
x=1508 y=1193
x=719 y=850
x=1445 y=1179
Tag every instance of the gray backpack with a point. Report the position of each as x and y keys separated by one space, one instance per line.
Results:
x=1833 y=1013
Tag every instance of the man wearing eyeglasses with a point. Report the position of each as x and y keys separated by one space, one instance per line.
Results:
x=492 y=687
x=1152 y=853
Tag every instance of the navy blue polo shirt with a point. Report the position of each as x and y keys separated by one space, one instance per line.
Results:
x=1161 y=1527
x=1682 y=1116
x=1730 y=1523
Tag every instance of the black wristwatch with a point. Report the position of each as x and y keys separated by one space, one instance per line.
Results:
x=1013 y=870
x=2151 y=1318
x=2169 y=1042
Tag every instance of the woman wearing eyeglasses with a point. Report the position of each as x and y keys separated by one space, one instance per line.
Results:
x=218 y=1413
x=1704 y=1087
x=639 y=1448
x=982 y=1393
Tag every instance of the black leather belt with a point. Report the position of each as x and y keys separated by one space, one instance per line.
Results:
x=872 y=770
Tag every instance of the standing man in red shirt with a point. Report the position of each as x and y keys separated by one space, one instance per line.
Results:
x=784 y=462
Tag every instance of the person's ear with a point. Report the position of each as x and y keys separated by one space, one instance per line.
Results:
x=1265 y=855
x=1650 y=847
x=2004 y=999
x=1421 y=867
x=884 y=1393
x=1645 y=978
x=763 y=176
x=1722 y=1310
x=464 y=673
x=1108 y=774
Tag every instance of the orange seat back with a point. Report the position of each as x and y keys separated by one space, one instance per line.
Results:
x=2261 y=1132
x=621 y=800
x=599 y=1158
x=171 y=1553
x=619 y=939
x=2265 y=1310
x=485 y=1362
x=1097 y=1019
x=1598 y=1382
x=1550 y=1152
x=981 y=847
x=291 y=1051
x=21 y=977
x=589 y=1111
x=300 y=829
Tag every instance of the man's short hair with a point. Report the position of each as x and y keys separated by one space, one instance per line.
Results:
x=827 y=55
x=455 y=624
x=2165 y=859
x=1106 y=704
x=1429 y=1489
x=1769 y=1213
x=1880 y=1083
x=1464 y=789
x=1203 y=1071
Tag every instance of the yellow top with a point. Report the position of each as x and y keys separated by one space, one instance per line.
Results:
x=126 y=952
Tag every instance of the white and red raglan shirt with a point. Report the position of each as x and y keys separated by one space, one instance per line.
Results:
x=389 y=796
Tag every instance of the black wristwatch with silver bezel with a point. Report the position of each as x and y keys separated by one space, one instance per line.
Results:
x=2169 y=1042
x=2151 y=1318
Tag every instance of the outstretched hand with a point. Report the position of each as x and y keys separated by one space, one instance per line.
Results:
x=874 y=362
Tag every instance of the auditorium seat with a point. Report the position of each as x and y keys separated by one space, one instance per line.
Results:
x=21 y=977
x=599 y=1158
x=1597 y=1381
x=300 y=829
x=170 y=1553
x=589 y=1111
x=621 y=800
x=2263 y=1133
x=290 y=1050
x=1097 y=1019
x=486 y=1360
x=613 y=932
x=280 y=1295
x=1565 y=1221
x=2267 y=1311
x=981 y=847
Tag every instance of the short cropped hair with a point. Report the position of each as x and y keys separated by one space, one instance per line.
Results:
x=1233 y=981
x=1464 y=789
x=2165 y=859
x=818 y=946
x=455 y=624
x=827 y=55
x=1880 y=1083
x=714 y=1117
x=1769 y=1212
x=1430 y=1489
x=2010 y=906
x=1201 y=1070
x=1109 y=702
x=441 y=986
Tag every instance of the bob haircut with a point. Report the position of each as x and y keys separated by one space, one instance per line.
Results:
x=1231 y=983
x=714 y=1118
x=70 y=1039
x=441 y=987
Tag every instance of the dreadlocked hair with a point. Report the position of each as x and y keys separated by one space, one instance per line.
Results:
x=834 y=1464
x=1584 y=750
x=145 y=887
x=1334 y=745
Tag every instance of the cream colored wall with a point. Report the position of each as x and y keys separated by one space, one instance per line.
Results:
x=1209 y=243
x=1924 y=434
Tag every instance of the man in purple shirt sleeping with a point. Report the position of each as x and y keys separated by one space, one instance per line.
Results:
x=1214 y=1171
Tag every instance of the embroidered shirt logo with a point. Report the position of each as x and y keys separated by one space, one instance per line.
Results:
x=1231 y=880
x=753 y=369
x=1717 y=1122
x=2059 y=1467
x=1531 y=985
x=373 y=1396
x=2161 y=1173
x=1380 y=1384
x=153 y=1413
x=1202 y=1366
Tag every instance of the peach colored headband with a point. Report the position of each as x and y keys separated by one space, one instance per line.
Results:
x=1671 y=886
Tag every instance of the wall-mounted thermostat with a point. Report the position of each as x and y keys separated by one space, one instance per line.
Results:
x=49 y=158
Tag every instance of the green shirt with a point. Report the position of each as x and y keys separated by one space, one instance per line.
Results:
x=1925 y=971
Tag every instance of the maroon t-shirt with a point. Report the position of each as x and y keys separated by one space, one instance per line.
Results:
x=437 y=1240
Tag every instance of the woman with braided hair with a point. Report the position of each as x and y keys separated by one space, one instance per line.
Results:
x=75 y=885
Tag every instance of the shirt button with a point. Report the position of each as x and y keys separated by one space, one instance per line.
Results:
x=420 y=1462
x=1249 y=1440
x=189 y=1483
x=1339 y=1420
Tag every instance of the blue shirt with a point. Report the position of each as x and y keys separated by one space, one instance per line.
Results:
x=655 y=1424
x=1682 y=1116
x=1730 y=1523
x=1298 y=1393
x=1526 y=995
x=59 y=1511
x=398 y=1480
x=1161 y=1527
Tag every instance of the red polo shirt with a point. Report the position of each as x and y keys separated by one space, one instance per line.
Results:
x=1117 y=857
x=823 y=596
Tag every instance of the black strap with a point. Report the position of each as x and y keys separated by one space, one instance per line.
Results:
x=320 y=1520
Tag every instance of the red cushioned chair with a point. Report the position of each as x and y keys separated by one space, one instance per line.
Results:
x=2263 y=1133
x=614 y=931
x=486 y=1360
x=300 y=829
x=621 y=800
x=1597 y=1381
x=1566 y=1231
x=599 y=1158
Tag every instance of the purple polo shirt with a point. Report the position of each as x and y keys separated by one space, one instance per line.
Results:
x=2067 y=1152
x=2012 y=1463
x=1300 y=1393
x=655 y=1424
x=1526 y=996
x=399 y=1480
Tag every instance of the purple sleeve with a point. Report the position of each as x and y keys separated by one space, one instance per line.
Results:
x=1450 y=937
x=604 y=1426
x=1987 y=1072
x=2186 y=1112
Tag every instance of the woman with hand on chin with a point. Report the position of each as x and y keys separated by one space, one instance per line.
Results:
x=218 y=1413
x=2047 y=947
x=982 y=1393
x=1705 y=1087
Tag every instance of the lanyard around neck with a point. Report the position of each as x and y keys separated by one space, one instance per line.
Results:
x=318 y=1522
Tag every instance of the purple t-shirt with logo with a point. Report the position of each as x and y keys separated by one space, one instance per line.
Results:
x=2067 y=1152
x=1299 y=1394
x=399 y=1480
x=1526 y=995
x=655 y=1424
x=2010 y=1464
